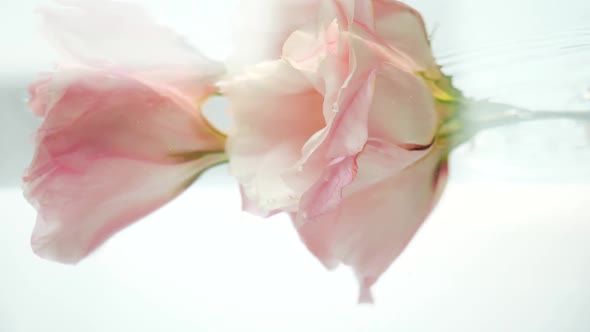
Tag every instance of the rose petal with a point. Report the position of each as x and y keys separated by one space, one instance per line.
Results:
x=262 y=26
x=105 y=33
x=402 y=27
x=80 y=209
x=344 y=136
x=260 y=99
x=402 y=110
x=110 y=151
x=112 y=35
x=379 y=214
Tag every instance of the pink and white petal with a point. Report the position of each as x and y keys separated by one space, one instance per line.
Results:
x=402 y=28
x=108 y=113
x=380 y=212
x=103 y=144
x=391 y=27
x=263 y=26
x=343 y=137
x=81 y=208
x=402 y=109
x=105 y=33
x=352 y=11
x=307 y=51
x=274 y=101
x=251 y=205
x=265 y=185
x=326 y=194
x=380 y=160
x=49 y=88
x=274 y=110
x=119 y=36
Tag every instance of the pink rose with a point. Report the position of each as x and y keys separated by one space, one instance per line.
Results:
x=122 y=131
x=341 y=132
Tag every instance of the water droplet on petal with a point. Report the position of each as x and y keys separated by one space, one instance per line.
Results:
x=335 y=107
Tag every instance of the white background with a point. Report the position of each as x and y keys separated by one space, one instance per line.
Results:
x=506 y=249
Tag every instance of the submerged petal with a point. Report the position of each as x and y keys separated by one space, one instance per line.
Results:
x=106 y=33
x=262 y=27
x=402 y=110
x=109 y=151
x=402 y=28
x=112 y=35
x=379 y=213
x=274 y=111
x=80 y=209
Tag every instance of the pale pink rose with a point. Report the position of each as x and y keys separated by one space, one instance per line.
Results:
x=341 y=133
x=122 y=132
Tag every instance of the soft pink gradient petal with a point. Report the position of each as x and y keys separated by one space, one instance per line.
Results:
x=39 y=95
x=343 y=137
x=349 y=12
x=106 y=33
x=123 y=132
x=113 y=35
x=393 y=28
x=79 y=209
x=379 y=214
x=110 y=151
x=402 y=27
x=261 y=146
x=402 y=110
x=326 y=194
x=262 y=26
